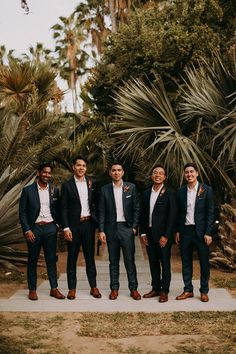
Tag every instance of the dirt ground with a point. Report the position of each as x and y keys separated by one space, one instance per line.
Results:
x=70 y=333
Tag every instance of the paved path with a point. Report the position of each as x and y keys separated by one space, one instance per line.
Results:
x=220 y=299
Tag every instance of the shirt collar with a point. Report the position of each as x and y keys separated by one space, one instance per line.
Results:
x=195 y=188
x=42 y=189
x=121 y=186
x=153 y=190
x=78 y=181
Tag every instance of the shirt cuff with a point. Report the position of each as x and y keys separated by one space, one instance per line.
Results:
x=143 y=235
x=66 y=229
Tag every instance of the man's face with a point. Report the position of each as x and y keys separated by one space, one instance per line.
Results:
x=190 y=175
x=158 y=175
x=116 y=173
x=80 y=168
x=45 y=175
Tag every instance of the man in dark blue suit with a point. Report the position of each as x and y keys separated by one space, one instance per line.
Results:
x=78 y=213
x=39 y=216
x=157 y=225
x=118 y=223
x=195 y=228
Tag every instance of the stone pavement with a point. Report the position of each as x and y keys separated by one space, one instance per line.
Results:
x=220 y=299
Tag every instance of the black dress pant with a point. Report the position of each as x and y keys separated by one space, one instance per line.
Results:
x=188 y=240
x=159 y=262
x=46 y=237
x=122 y=239
x=85 y=236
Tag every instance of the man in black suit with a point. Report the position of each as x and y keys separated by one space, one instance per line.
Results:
x=158 y=217
x=118 y=223
x=78 y=198
x=195 y=228
x=39 y=216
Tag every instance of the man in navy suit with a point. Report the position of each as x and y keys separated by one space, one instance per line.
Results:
x=158 y=218
x=78 y=206
x=118 y=223
x=195 y=228
x=39 y=216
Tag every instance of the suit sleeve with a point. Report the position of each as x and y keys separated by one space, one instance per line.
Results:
x=101 y=211
x=210 y=212
x=23 y=211
x=136 y=208
x=172 y=213
x=64 y=206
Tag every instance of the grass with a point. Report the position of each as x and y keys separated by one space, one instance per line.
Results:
x=225 y=282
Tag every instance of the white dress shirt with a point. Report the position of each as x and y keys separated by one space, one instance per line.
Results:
x=153 y=199
x=45 y=212
x=118 y=194
x=191 y=200
x=83 y=195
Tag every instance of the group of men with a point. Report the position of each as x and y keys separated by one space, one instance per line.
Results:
x=161 y=217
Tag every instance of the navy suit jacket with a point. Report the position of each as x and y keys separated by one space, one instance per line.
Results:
x=107 y=207
x=71 y=205
x=29 y=206
x=163 y=215
x=204 y=214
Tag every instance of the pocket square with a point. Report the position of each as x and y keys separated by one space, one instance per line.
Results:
x=128 y=196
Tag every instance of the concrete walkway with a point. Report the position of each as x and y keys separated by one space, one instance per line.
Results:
x=220 y=299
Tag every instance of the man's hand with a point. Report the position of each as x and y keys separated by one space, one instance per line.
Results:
x=68 y=235
x=208 y=240
x=163 y=241
x=177 y=238
x=145 y=240
x=102 y=237
x=134 y=231
x=30 y=236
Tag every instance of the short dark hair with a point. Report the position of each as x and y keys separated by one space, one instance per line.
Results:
x=158 y=166
x=115 y=163
x=191 y=164
x=43 y=165
x=78 y=157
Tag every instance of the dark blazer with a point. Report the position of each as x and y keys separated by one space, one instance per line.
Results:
x=71 y=205
x=107 y=208
x=163 y=215
x=204 y=210
x=29 y=206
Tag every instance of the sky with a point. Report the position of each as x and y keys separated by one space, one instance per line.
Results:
x=19 y=31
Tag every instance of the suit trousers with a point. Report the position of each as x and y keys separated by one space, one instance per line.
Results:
x=159 y=261
x=85 y=236
x=188 y=240
x=123 y=238
x=46 y=237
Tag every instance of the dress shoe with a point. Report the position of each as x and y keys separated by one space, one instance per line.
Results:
x=204 y=297
x=151 y=293
x=33 y=295
x=185 y=295
x=57 y=294
x=95 y=293
x=135 y=295
x=113 y=295
x=71 y=294
x=163 y=297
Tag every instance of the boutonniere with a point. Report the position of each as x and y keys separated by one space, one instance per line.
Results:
x=52 y=191
x=126 y=188
x=200 y=191
x=162 y=191
x=90 y=183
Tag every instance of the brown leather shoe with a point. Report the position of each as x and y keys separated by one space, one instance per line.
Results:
x=33 y=295
x=135 y=295
x=95 y=293
x=185 y=295
x=150 y=294
x=204 y=297
x=113 y=295
x=163 y=297
x=57 y=294
x=71 y=294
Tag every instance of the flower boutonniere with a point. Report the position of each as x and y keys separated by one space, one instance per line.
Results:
x=162 y=191
x=52 y=191
x=126 y=188
x=90 y=183
x=200 y=191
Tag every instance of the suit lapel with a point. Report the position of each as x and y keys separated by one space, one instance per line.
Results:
x=111 y=193
x=74 y=188
x=89 y=186
x=185 y=196
x=36 y=193
x=197 y=196
x=51 y=191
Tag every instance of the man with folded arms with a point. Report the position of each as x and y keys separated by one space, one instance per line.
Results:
x=39 y=216
x=118 y=223
x=158 y=218
x=78 y=197
x=195 y=228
